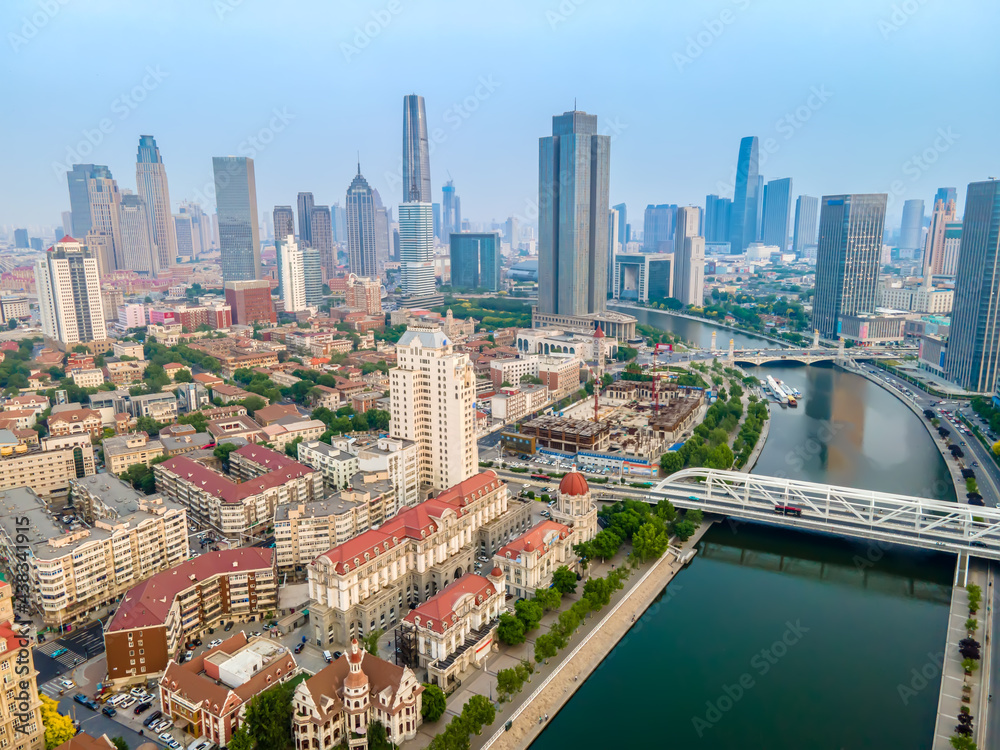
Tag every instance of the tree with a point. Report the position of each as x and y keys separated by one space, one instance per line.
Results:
x=666 y=511
x=549 y=598
x=148 y=425
x=671 y=462
x=545 y=647
x=650 y=541
x=478 y=712
x=606 y=544
x=510 y=631
x=183 y=376
x=377 y=738
x=529 y=612
x=509 y=681
x=564 y=580
x=253 y=403
x=963 y=743
x=695 y=516
x=223 y=450
x=268 y=718
x=370 y=642
x=58 y=728
x=119 y=743
x=434 y=703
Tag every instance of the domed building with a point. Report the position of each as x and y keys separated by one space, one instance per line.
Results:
x=574 y=506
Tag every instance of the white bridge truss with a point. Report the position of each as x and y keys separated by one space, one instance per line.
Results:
x=899 y=519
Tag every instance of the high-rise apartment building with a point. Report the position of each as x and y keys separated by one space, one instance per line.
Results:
x=743 y=218
x=433 y=392
x=312 y=268
x=305 y=206
x=451 y=211
x=806 y=219
x=512 y=233
x=416 y=152
x=777 y=212
x=658 y=228
x=364 y=294
x=151 y=182
x=847 y=258
x=291 y=275
x=912 y=224
x=201 y=227
x=475 y=261
x=321 y=227
x=250 y=302
x=416 y=254
x=361 y=240
x=717 y=211
x=138 y=247
x=69 y=296
x=239 y=234
x=973 y=357
x=689 y=255
x=574 y=171
x=284 y=223
x=934 y=253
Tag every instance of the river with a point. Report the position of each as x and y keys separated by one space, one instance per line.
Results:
x=695 y=331
x=784 y=640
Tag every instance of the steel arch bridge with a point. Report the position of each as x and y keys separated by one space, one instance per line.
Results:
x=898 y=519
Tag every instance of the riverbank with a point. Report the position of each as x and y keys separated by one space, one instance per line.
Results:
x=709 y=322
x=593 y=646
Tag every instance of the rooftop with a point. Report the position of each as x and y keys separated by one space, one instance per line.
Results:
x=538 y=537
x=219 y=485
x=438 y=612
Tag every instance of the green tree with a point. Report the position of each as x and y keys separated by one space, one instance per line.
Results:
x=253 y=403
x=671 y=462
x=509 y=681
x=683 y=530
x=529 y=612
x=510 y=631
x=546 y=646
x=434 y=703
x=223 y=450
x=377 y=738
x=549 y=598
x=606 y=544
x=119 y=743
x=650 y=541
x=960 y=742
x=268 y=718
x=370 y=642
x=666 y=511
x=564 y=580
x=478 y=712
x=183 y=376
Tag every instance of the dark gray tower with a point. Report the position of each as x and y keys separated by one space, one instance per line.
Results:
x=416 y=153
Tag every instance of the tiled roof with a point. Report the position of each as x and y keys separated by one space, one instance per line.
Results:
x=84 y=741
x=329 y=683
x=535 y=539
x=74 y=417
x=438 y=612
x=284 y=470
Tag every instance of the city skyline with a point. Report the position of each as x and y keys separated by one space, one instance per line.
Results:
x=497 y=181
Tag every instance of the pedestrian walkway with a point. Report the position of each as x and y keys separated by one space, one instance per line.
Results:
x=69 y=658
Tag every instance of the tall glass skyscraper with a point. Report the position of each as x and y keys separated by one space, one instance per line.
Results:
x=574 y=165
x=806 y=216
x=912 y=225
x=451 y=211
x=717 y=211
x=622 y=224
x=236 y=203
x=284 y=223
x=777 y=212
x=321 y=227
x=658 y=228
x=416 y=151
x=77 y=180
x=416 y=253
x=973 y=357
x=138 y=248
x=151 y=182
x=847 y=258
x=361 y=229
x=475 y=261
x=946 y=194
x=743 y=218
x=305 y=206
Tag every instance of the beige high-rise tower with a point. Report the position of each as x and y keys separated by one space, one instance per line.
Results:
x=934 y=255
x=689 y=257
x=151 y=181
x=433 y=391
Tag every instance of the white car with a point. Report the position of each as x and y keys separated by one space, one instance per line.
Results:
x=127 y=702
x=166 y=737
x=216 y=642
x=137 y=692
x=67 y=684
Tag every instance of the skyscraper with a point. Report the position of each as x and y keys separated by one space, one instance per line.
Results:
x=573 y=175
x=361 y=241
x=847 y=258
x=312 y=269
x=338 y=219
x=67 y=223
x=475 y=261
x=512 y=233
x=806 y=216
x=658 y=228
x=416 y=152
x=416 y=254
x=78 y=180
x=305 y=204
x=69 y=296
x=21 y=239
x=912 y=225
x=284 y=223
x=946 y=194
x=689 y=258
x=934 y=255
x=105 y=216
x=451 y=211
x=184 y=233
x=201 y=227
x=622 y=224
x=760 y=205
x=151 y=182
x=292 y=275
x=614 y=246
x=322 y=240
x=973 y=357
x=138 y=247
x=717 y=211
x=433 y=392
x=236 y=201
x=743 y=218
x=777 y=212
x=437 y=220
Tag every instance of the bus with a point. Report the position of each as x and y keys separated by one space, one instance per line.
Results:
x=542 y=477
x=787 y=510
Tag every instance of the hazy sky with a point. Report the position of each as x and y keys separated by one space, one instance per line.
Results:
x=847 y=92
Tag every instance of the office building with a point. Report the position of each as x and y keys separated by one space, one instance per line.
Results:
x=658 y=228
x=338 y=218
x=201 y=227
x=239 y=234
x=777 y=212
x=361 y=230
x=284 y=223
x=946 y=194
x=512 y=233
x=138 y=248
x=622 y=224
x=475 y=261
x=69 y=296
x=321 y=229
x=574 y=169
x=451 y=211
x=847 y=258
x=21 y=239
x=184 y=232
x=433 y=391
x=416 y=152
x=105 y=219
x=67 y=223
x=641 y=277
x=912 y=225
x=416 y=255
x=936 y=261
x=364 y=294
x=973 y=357
x=743 y=217
x=151 y=181
x=305 y=205
x=717 y=211
x=689 y=255
x=806 y=221
x=78 y=180
x=312 y=269
x=250 y=302
x=158 y=616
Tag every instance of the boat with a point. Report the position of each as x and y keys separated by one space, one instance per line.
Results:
x=788 y=393
x=776 y=390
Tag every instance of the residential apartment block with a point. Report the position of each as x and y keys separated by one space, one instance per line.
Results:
x=125 y=450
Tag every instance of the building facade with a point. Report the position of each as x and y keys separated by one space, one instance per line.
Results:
x=250 y=302
x=743 y=217
x=239 y=231
x=69 y=296
x=151 y=181
x=475 y=261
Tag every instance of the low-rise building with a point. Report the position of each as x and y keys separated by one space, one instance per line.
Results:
x=208 y=695
x=271 y=414
x=568 y=435
x=161 y=614
x=88 y=378
x=124 y=373
x=335 y=706
x=327 y=397
x=236 y=426
x=128 y=349
x=179 y=443
x=125 y=450
x=75 y=422
x=288 y=429
x=45 y=466
x=304 y=531
x=336 y=466
x=32 y=401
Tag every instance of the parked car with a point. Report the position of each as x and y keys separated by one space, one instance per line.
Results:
x=127 y=702
x=216 y=642
x=298 y=649
x=152 y=718
x=229 y=626
x=138 y=692
x=166 y=737
x=142 y=707
x=83 y=700
x=109 y=711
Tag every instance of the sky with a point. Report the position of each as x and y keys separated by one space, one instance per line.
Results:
x=852 y=96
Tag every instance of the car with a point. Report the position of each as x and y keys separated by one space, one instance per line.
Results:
x=254 y=634
x=127 y=702
x=337 y=655
x=166 y=736
x=483 y=558
x=109 y=711
x=59 y=652
x=229 y=626
x=138 y=692
x=83 y=700
x=216 y=642
x=298 y=649
x=145 y=706
x=158 y=726
x=174 y=745
x=197 y=641
x=68 y=684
